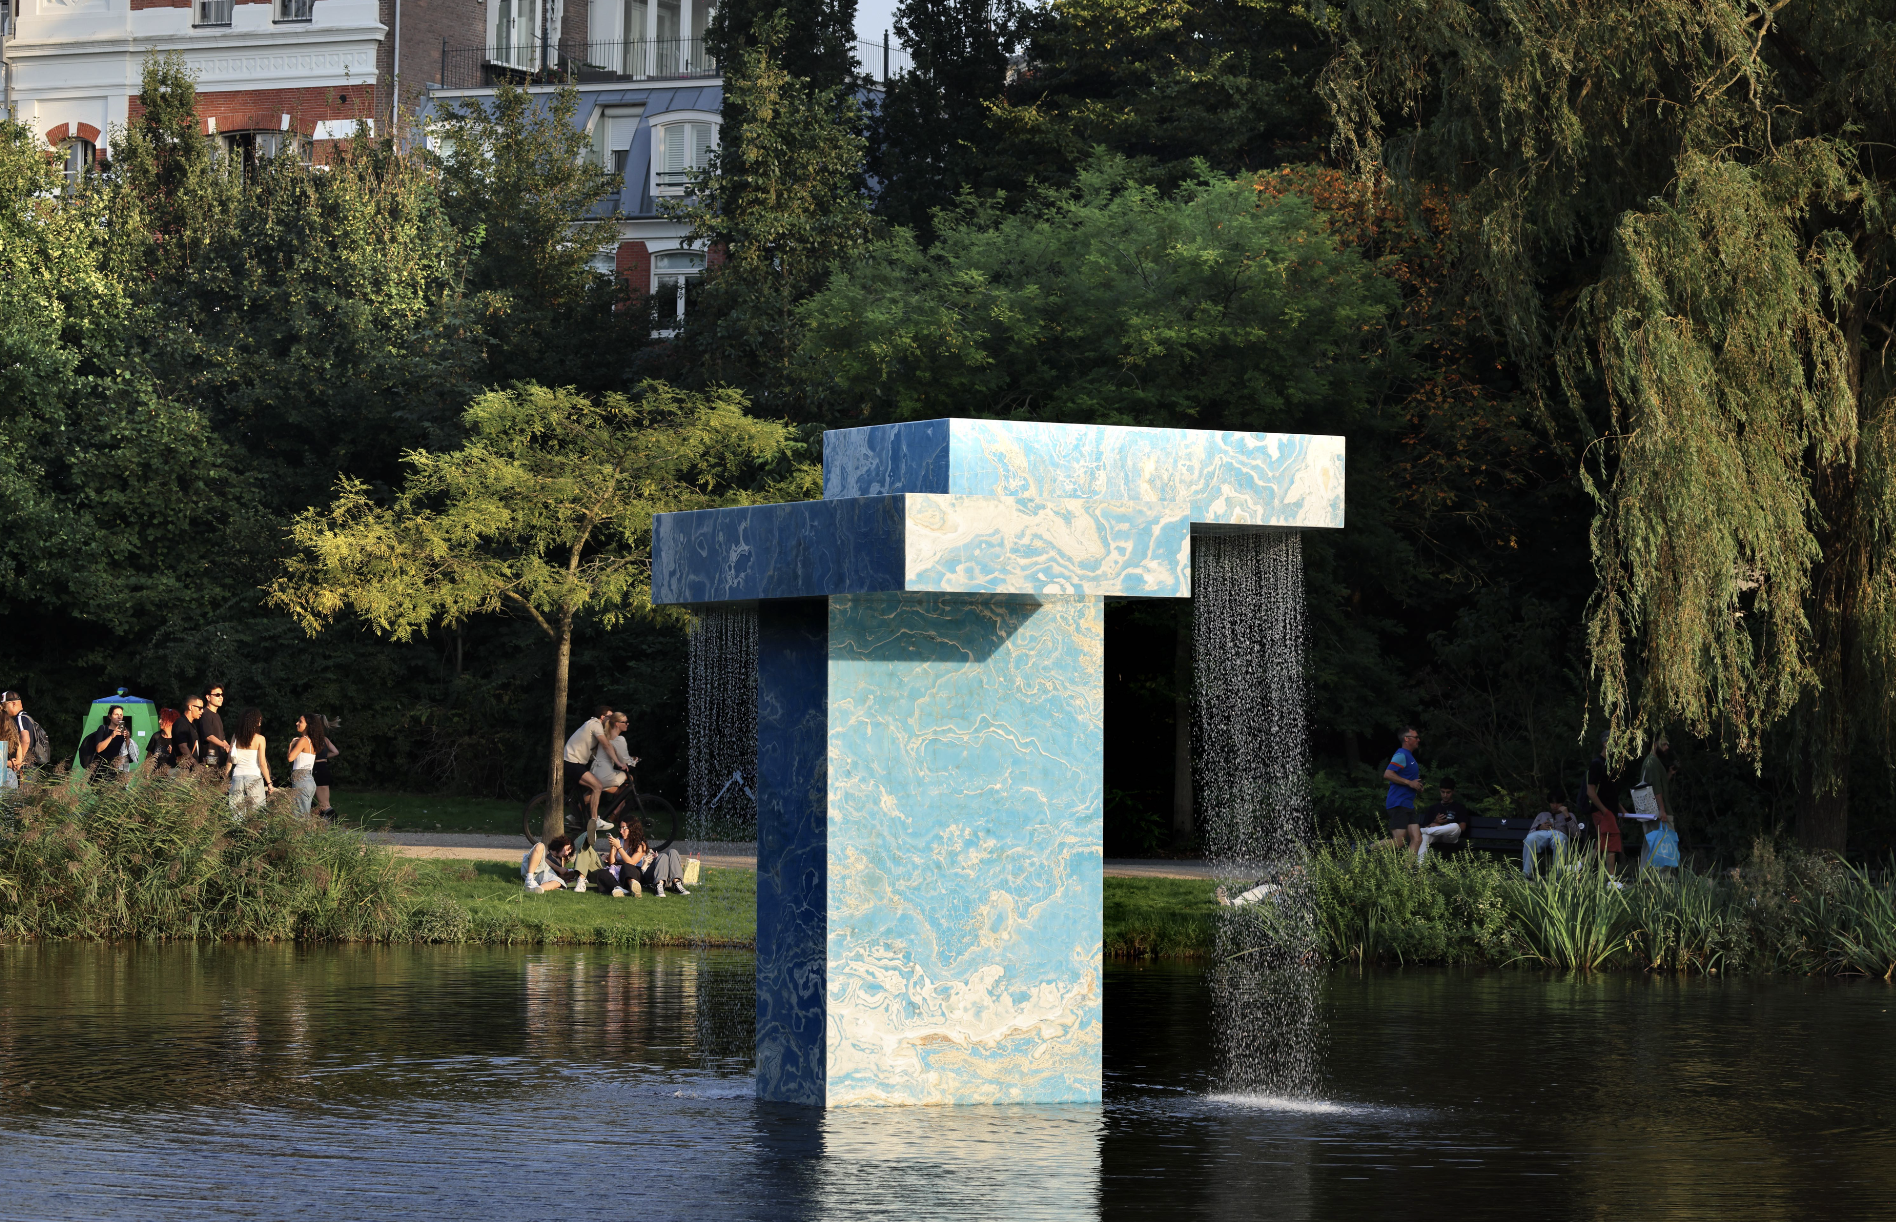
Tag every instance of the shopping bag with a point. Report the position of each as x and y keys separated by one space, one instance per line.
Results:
x=1662 y=847
x=1645 y=801
x=691 y=871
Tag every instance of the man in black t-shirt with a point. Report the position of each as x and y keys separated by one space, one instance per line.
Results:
x=1443 y=823
x=213 y=751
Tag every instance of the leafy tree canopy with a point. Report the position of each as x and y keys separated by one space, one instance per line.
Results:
x=1219 y=307
x=545 y=511
x=1683 y=207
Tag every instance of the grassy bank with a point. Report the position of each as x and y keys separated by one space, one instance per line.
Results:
x=163 y=858
x=484 y=902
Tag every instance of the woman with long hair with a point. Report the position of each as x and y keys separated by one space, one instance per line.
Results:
x=303 y=752
x=318 y=728
x=12 y=753
x=249 y=769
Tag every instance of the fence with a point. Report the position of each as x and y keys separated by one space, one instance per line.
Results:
x=530 y=62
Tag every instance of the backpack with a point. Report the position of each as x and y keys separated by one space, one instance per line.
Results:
x=40 y=753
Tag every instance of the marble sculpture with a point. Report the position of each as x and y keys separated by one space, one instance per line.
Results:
x=929 y=732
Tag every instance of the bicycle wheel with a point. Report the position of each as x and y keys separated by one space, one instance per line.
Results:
x=533 y=819
x=658 y=815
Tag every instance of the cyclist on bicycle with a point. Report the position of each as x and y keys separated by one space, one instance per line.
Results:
x=587 y=741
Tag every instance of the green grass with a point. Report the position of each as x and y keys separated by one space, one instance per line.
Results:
x=380 y=810
x=483 y=901
x=1171 y=918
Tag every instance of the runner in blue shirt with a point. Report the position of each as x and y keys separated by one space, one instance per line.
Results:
x=1404 y=775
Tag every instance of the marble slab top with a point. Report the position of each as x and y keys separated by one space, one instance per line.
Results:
x=915 y=542
x=1229 y=479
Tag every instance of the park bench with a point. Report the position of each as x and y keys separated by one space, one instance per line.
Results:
x=1501 y=837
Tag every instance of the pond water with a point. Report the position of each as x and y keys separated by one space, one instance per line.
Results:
x=356 y=1082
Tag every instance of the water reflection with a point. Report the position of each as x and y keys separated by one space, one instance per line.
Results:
x=160 y=1082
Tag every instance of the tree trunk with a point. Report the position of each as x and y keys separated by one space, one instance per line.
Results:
x=554 y=823
x=1182 y=824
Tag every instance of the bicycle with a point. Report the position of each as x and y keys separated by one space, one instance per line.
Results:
x=653 y=811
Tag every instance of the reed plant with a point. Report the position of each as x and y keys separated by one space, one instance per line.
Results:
x=1688 y=922
x=1375 y=904
x=1571 y=916
x=163 y=857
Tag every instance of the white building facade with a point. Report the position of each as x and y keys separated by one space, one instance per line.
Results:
x=270 y=74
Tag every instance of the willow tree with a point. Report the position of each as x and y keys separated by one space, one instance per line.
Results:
x=1682 y=209
x=545 y=511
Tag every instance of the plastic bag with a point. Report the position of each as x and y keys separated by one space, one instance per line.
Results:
x=1662 y=847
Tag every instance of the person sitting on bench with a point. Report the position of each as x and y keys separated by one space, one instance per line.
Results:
x=1553 y=828
x=1444 y=822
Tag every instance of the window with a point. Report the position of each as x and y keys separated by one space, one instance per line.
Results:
x=79 y=158
x=679 y=150
x=515 y=39
x=253 y=147
x=295 y=10
x=675 y=277
x=211 y=12
x=612 y=130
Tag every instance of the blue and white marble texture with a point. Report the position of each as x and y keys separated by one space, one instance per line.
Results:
x=1230 y=479
x=964 y=847
x=922 y=543
x=792 y=857
x=929 y=767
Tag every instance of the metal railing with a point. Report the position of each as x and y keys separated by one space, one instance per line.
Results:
x=295 y=11
x=211 y=12
x=523 y=63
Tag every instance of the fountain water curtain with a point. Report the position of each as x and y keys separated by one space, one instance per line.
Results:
x=930 y=692
x=1253 y=782
x=722 y=692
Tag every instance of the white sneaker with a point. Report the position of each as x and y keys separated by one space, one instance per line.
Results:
x=680 y=889
x=658 y=892
x=580 y=885
x=634 y=888
x=617 y=892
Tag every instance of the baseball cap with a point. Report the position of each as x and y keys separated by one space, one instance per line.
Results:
x=6 y=696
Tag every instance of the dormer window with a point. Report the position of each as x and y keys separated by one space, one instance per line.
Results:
x=678 y=151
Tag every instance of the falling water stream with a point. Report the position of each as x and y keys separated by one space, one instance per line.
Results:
x=723 y=747
x=1254 y=789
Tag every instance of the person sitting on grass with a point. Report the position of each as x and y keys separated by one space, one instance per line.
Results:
x=1554 y=828
x=640 y=867
x=545 y=865
x=1444 y=822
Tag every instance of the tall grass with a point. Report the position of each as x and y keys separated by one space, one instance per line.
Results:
x=1571 y=916
x=1784 y=911
x=162 y=857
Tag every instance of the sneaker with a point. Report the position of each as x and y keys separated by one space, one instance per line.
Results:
x=658 y=892
x=617 y=892
x=580 y=885
x=634 y=888
x=680 y=889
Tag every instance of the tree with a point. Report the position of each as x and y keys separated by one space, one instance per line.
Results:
x=930 y=130
x=815 y=41
x=1683 y=208
x=782 y=204
x=546 y=511
x=1220 y=307
x=536 y=211
x=1163 y=82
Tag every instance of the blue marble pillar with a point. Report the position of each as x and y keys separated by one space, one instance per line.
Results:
x=930 y=687
x=964 y=848
x=792 y=839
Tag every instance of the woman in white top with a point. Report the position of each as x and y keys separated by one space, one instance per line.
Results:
x=249 y=770
x=609 y=765
x=303 y=765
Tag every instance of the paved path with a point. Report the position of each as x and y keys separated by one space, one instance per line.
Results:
x=722 y=855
